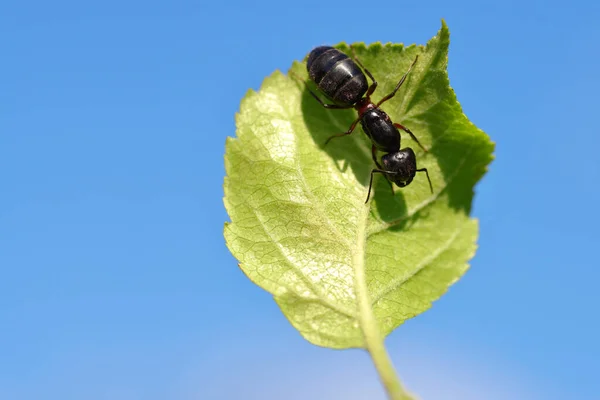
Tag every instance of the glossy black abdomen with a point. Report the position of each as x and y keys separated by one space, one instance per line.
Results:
x=379 y=128
x=336 y=75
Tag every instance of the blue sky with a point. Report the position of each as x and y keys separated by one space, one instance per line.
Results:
x=116 y=282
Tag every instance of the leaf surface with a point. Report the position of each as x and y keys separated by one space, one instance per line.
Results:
x=299 y=226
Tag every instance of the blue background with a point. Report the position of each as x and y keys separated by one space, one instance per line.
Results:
x=115 y=279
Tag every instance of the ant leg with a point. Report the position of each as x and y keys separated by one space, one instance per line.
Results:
x=412 y=135
x=374 y=155
x=374 y=84
x=349 y=131
x=329 y=106
x=427 y=173
x=389 y=96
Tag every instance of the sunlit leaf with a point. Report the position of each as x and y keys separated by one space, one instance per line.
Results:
x=299 y=226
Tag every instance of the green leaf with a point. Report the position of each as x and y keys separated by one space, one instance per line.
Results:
x=338 y=268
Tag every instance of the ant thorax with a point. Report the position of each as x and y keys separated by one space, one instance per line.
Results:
x=363 y=105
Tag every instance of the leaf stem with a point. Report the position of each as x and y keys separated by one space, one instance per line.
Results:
x=373 y=338
x=385 y=369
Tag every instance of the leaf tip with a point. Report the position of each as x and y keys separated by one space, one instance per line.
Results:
x=444 y=32
x=444 y=24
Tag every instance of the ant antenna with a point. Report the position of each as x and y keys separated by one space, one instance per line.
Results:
x=427 y=173
x=381 y=171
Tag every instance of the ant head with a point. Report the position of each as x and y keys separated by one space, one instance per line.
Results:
x=402 y=166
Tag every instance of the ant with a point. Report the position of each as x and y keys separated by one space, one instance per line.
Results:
x=343 y=82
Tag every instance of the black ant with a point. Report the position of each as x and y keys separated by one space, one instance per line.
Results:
x=344 y=83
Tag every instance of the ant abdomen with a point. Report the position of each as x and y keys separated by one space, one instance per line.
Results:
x=336 y=75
